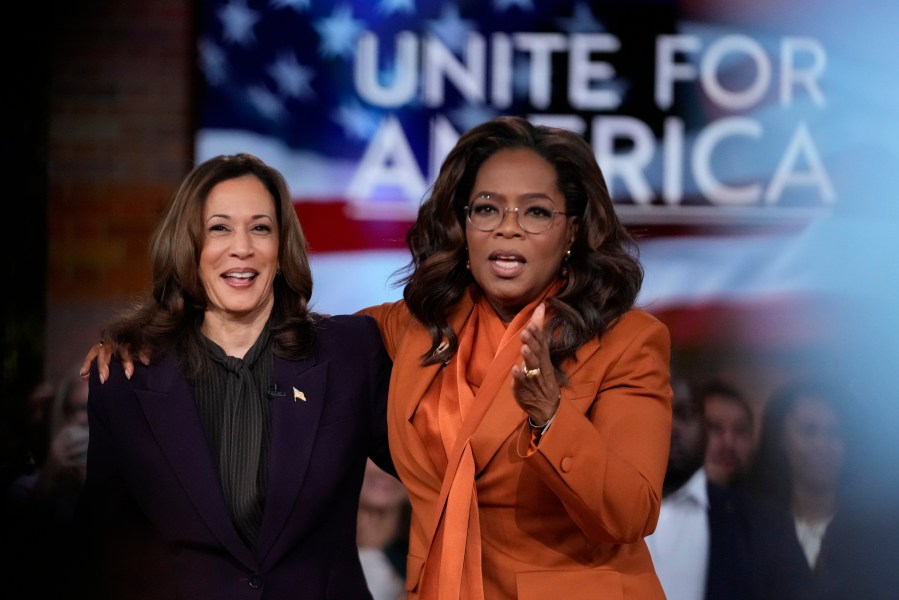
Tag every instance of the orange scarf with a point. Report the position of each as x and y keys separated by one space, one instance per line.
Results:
x=481 y=367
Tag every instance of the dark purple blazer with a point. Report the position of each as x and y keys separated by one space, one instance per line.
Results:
x=153 y=503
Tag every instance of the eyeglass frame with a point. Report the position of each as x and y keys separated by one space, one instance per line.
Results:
x=507 y=209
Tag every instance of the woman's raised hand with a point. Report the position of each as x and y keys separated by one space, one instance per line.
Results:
x=534 y=382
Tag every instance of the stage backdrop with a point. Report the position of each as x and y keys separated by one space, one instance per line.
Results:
x=752 y=147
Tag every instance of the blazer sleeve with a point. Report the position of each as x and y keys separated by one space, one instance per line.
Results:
x=606 y=452
x=379 y=365
x=102 y=486
x=103 y=509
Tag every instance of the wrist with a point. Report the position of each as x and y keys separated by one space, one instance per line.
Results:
x=540 y=429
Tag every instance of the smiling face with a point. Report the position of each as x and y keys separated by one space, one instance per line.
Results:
x=510 y=265
x=239 y=257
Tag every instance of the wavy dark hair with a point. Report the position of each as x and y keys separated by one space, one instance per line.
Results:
x=172 y=314
x=604 y=274
x=769 y=477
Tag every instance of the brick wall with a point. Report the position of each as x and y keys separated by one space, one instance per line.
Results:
x=119 y=141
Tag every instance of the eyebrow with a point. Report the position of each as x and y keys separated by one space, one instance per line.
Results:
x=526 y=196
x=252 y=218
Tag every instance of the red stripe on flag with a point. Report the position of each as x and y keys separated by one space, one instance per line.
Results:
x=329 y=228
x=781 y=322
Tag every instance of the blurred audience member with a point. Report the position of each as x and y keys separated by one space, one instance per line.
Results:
x=24 y=431
x=806 y=467
x=712 y=542
x=729 y=430
x=382 y=533
x=56 y=484
x=39 y=406
x=40 y=505
x=680 y=544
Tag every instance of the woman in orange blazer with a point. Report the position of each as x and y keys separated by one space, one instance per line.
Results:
x=529 y=409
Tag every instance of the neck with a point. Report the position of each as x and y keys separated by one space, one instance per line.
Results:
x=235 y=335
x=505 y=314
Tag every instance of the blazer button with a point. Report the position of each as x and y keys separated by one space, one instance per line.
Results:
x=565 y=465
x=255 y=581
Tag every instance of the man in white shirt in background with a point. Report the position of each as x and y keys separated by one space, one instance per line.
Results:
x=680 y=544
x=712 y=542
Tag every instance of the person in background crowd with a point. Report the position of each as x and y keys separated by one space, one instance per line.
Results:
x=680 y=544
x=230 y=466
x=730 y=440
x=807 y=465
x=25 y=433
x=713 y=542
x=39 y=407
x=530 y=404
x=66 y=457
x=382 y=533
x=39 y=508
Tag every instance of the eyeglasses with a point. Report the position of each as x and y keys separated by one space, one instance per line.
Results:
x=534 y=216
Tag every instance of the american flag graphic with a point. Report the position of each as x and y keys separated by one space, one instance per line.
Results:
x=357 y=102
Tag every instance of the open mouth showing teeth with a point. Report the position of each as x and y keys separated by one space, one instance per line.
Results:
x=507 y=261
x=507 y=258
x=240 y=275
x=507 y=265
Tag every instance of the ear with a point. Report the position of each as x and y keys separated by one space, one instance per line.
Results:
x=574 y=225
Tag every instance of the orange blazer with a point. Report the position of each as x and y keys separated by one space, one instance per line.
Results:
x=567 y=518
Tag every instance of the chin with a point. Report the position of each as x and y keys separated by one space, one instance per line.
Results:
x=508 y=298
x=243 y=310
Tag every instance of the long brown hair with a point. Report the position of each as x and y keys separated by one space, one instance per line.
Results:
x=171 y=316
x=604 y=275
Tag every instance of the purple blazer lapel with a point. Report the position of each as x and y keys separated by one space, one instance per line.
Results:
x=296 y=410
x=168 y=404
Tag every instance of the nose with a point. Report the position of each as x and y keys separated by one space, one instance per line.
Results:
x=242 y=243
x=507 y=225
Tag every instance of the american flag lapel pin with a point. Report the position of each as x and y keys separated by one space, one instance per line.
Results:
x=298 y=395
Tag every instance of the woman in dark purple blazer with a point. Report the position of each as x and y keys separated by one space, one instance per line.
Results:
x=230 y=465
